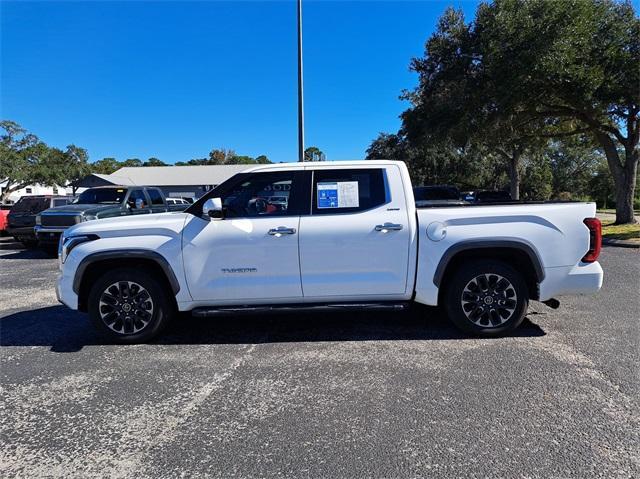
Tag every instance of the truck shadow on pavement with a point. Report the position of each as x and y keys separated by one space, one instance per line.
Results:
x=27 y=254
x=69 y=331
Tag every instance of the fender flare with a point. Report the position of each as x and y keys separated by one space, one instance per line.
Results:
x=126 y=254
x=486 y=244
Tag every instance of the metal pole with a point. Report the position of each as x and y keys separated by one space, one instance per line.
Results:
x=300 y=90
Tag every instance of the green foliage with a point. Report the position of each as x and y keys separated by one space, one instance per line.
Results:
x=537 y=179
x=105 y=166
x=154 y=162
x=441 y=163
x=602 y=187
x=222 y=156
x=313 y=153
x=526 y=75
x=25 y=160
x=132 y=162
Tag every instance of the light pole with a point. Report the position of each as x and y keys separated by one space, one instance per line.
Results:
x=300 y=89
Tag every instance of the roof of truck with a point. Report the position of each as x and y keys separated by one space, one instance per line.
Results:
x=320 y=164
x=174 y=175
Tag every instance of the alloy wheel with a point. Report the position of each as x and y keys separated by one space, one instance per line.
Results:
x=126 y=307
x=489 y=300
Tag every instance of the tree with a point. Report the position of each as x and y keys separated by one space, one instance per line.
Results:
x=154 y=162
x=313 y=153
x=74 y=166
x=546 y=70
x=455 y=101
x=441 y=162
x=105 y=166
x=387 y=146
x=17 y=149
x=25 y=160
x=573 y=161
x=574 y=65
x=132 y=163
x=223 y=156
x=220 y=156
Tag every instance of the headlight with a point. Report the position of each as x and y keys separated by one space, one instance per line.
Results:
x=38 y=220
x=89 y=217
x=68 y=243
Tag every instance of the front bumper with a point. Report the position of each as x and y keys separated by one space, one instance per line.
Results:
x=64 y=291
x=49 y=234
x=22 y=232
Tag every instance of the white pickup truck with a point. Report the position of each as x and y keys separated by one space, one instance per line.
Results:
x=327 y=236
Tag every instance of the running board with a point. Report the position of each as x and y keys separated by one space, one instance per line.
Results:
x=208 y=312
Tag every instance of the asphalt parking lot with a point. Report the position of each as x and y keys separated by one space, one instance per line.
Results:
x=342 y=396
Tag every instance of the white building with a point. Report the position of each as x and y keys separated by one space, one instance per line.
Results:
x=36 y=189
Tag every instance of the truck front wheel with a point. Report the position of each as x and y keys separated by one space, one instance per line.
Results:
x=486 y=298
x=129 y=305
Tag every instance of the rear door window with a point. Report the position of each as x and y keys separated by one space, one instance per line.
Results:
x=348 y=191
x=155 y=197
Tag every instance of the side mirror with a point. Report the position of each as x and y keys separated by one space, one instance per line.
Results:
x=213 y=208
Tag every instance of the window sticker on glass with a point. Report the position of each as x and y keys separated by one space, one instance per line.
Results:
x=338 y=194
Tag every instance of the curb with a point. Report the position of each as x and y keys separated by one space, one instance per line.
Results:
x=619 y=243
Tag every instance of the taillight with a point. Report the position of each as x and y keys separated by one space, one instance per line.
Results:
x=595 y=239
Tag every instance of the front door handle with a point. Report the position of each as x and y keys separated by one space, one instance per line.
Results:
x=388 y=227
x=282 y=230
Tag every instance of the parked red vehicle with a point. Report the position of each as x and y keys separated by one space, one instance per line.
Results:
x=4 y=212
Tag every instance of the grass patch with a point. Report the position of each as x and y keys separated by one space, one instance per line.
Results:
x=622 y=232
x=611 y=211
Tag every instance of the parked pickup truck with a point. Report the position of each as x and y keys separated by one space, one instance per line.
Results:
x=98 y=203
x=349 y=236
x=22 y=217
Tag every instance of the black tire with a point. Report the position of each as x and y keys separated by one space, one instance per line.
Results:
x=124 y=328
x=486 y=298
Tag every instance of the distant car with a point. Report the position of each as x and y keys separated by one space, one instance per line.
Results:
x=4 y=212
x=488 y=196
x=437 y=195
x=99 y=203
x=280 y=202
x=177 y=201
x=22 y=216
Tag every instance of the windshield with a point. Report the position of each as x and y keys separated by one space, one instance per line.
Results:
x=102 y=196
x=28 y=204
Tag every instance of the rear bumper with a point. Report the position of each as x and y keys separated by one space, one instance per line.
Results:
x=584 y=278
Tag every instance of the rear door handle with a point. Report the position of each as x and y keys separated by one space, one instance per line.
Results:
x=282 y=230
x=388 y=227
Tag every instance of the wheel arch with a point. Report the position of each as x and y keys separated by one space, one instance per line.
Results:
x=96 y=264
x=518 y=254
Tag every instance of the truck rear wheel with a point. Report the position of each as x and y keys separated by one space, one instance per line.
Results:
x=486 y=298
x=129 y=305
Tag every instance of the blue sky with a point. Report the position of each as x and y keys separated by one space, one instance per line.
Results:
x=175 y=79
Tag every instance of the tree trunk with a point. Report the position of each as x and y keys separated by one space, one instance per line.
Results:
x=514 y=176
x=625 y=190
x=10 y=188
x=624 y=176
